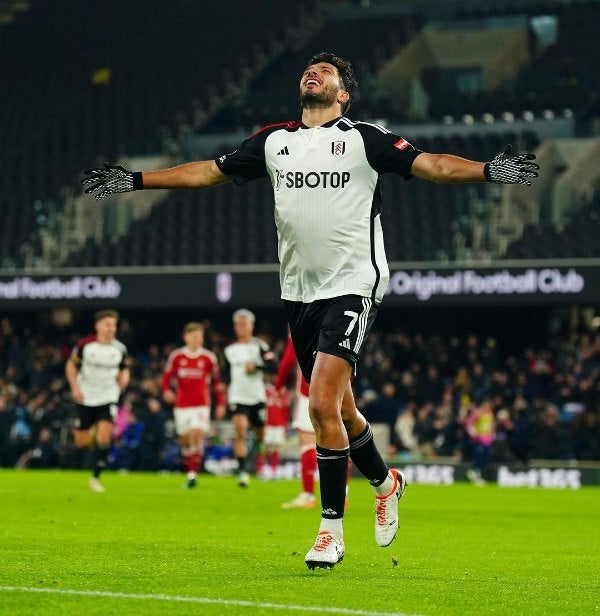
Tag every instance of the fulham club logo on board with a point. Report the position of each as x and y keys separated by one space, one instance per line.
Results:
x=338 y=147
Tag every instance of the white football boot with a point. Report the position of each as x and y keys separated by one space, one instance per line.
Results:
x=386 y=510
x=95 y=485
x=243 y=479
x=304 y=500
x=327 y=551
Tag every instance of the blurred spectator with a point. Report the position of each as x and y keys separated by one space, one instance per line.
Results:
x=520 y=434
x=5 y=423
x=20 y=433
x=425 y=430
x=404 y=437
x=502 y=451
x=126 y=449
x=479 y=382
x=490 y=355
x=540 y=369
x=587 y=436
x=480 y=427
x=419 y=385
x=433 y=386
x=408 y=391
x=463 y=381
x=449 y=433
x=552 y=438
x=384 y=409
x=154 y=417
x=45 y=453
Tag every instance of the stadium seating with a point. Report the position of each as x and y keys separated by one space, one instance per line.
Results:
x=85 y=85
x=90 y=81
x=561 y=76
x=367 y=42
x=231 y=224
x=579 y=238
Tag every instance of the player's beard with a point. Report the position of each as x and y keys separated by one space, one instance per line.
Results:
x=318 y=100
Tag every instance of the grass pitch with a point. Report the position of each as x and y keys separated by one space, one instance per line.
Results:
x=147 y=546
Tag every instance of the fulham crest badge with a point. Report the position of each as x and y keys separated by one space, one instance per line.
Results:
x=338 y=147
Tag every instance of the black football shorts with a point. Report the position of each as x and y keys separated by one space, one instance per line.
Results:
x=337 y=326
x=87 y=416
x=256 y=413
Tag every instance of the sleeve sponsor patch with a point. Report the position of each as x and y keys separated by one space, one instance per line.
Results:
x=401 y=144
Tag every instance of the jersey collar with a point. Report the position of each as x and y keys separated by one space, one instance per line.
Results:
x=326 y=125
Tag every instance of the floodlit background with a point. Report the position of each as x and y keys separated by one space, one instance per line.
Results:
x=495 y=290
x=494 y=293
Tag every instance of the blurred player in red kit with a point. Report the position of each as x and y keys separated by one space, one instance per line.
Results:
x=304 y=428
x=275 y=429
x=192 y=369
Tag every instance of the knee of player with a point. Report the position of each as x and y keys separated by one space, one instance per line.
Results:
x=323 y=411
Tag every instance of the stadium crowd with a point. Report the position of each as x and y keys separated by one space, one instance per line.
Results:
x=423 y=388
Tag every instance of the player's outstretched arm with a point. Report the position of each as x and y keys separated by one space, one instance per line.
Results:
x=111 y=179
x=504 y=169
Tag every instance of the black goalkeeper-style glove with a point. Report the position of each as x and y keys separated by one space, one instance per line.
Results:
x=111 y=179
x=507 y=169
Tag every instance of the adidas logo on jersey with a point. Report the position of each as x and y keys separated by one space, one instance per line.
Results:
x=345 y=343
x=284 y=152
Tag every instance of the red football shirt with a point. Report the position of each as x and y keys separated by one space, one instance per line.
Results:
x=193 y=374
x=277 y=407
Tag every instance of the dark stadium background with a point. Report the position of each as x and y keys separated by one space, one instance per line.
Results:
x=147 y=83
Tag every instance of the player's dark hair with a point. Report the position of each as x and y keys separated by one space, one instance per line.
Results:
x=345 y=71
x=102 y=314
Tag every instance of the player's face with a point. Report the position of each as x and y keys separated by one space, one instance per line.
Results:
x=320 y=86
x=243 y=328
x=194 y=339
x=106 y=328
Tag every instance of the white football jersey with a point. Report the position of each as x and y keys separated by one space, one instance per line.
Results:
x=247 y=388
x=99 y=365
x=327 y=202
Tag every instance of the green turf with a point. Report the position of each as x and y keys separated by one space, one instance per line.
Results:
x=462 y=550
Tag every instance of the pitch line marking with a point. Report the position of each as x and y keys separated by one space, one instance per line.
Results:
x=201 y=600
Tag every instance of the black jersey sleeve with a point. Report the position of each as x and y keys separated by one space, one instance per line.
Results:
x=387 y=152
x=269 y=365
x=126 y=360
x=247 y=163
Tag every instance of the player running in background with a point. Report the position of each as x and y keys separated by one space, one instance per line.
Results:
x=275 y=428
x=97 y=373
x=304 y=428
x=325 y=171
x=248 y=359
x=191 y=370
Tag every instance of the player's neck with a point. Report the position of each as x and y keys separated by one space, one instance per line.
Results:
x=316 y=116
x=104 y=339
x=243 y=339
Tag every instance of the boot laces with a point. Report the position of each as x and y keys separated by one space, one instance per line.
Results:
x=380 y=511
x=381 y=508
x=324 y=538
